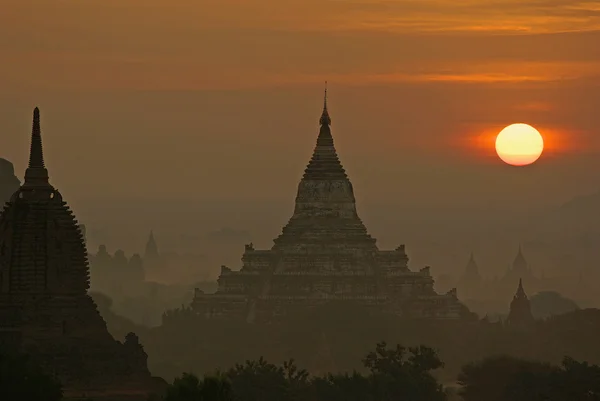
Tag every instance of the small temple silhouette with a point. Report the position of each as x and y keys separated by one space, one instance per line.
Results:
x=9 y=182
x=151 y=251
x=325 y=254
x=520 y=309
x=45 y=309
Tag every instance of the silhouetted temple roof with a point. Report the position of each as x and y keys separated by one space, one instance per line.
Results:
x=520 y=259
x=472 y=267
x=520 y=291
x=325 y=209
x=40 y=238
x=36 y=174
x=325 y=164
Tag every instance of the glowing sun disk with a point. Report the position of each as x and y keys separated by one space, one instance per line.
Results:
x=519 y=144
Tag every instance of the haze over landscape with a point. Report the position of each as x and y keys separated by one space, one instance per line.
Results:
x=300 y=180
x=216 y=102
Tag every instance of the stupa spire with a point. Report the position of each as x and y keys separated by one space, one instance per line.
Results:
x=472 y=268
x=36 y=154
x=520 y=263
x=325 y=119
x=520 y=291
x=325 y=163
x=325 y=138
x=151 y=246
x=36 y=173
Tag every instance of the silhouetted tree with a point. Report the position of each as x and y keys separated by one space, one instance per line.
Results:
x=23 y=379
x=263 y=381
x=501 y=378
x=576 y=381
x=343 y=387
x=512 y=379
x=396 y=374
x=189 y=387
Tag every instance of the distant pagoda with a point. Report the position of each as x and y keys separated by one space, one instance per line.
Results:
x=470 y=281
x=520 y=309
x=9 y=183
x=154 y=263
x=324 y=254
x=519 y=270
x=45 y=309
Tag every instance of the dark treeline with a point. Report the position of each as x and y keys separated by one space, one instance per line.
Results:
x=397 y=373
x=391 y=373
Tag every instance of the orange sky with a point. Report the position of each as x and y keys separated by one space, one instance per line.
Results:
x=219 y=99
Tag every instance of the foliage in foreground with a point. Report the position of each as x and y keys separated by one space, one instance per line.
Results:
x=22 y=379
x=512 y=379
x=394 y=373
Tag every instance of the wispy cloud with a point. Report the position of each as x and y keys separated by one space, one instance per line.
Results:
x=220 y=43
x=527 y=16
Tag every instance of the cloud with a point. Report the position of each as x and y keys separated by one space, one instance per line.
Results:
x=544 y=16
x=237 y=43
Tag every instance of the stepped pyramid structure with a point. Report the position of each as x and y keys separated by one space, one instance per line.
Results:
x=324 y=254
x=45 y=309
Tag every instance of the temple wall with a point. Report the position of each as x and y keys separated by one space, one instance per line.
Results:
x=393 y=260
x=315 y=262
x=211 y=306
x=325 y=198
x=308 y=285
x=276 y=306
x=256 y=260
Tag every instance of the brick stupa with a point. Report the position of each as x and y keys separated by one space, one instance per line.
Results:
x=325 y=254
x=45 y=309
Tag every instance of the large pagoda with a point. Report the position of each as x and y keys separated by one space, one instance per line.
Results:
x=45 y=309
x=324 y=254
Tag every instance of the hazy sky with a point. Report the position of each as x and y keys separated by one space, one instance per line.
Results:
x=219 y=99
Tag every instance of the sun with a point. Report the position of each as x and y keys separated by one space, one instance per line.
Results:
x=519 y=144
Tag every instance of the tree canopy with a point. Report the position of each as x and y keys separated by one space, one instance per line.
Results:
x=513 y=379
x=394 y=373
x=22 y=379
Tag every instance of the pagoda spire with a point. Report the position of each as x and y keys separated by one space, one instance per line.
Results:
x=325 y=119
x=520 y=308
x=36 y=173
x=520 y=263
x=325 y=138
x=325 y=205
x=324 y=163
x=472 y=268
x=151 y=246
x=520 y=291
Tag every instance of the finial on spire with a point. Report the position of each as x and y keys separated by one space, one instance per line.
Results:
x=36 y=173
x=36 y=155
x=325 y=119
